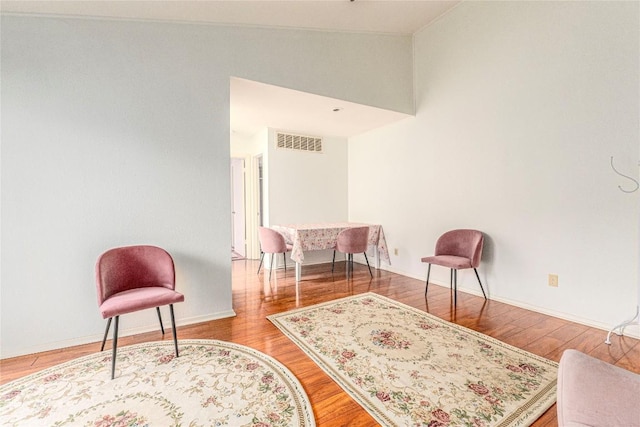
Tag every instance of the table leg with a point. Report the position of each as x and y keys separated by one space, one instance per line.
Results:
x=376 y=256
x=298 y=271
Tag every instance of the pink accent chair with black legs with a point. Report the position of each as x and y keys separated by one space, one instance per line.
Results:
x=135 y=278
x=351 y=241
x=272 y=242
x=457 y=250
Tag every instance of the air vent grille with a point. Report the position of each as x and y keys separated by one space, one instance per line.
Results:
x=299 y=142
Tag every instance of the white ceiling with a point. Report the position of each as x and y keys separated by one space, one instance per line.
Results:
x=256 y=105
x=378 y=16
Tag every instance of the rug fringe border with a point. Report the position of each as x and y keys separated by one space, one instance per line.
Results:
x=273 y=363
x=524 y=416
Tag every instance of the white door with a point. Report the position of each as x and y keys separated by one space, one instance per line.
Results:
x=237 y=207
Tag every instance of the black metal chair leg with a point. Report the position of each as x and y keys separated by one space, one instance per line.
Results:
x=115 y=347
x=333 y=263
x=481 y=288
x=175 y=334
x=284 y=258
x=106 y=332
x=426 y=288
x=261 y=258
x=455 y=287
x=160 y=319
x=367 y=259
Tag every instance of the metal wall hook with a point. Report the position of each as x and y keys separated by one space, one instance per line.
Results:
x=625 y=176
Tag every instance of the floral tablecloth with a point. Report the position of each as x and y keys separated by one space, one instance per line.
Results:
x=314 y=237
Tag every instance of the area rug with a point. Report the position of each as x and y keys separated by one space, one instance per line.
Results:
x=409 y=368
x=212 y=383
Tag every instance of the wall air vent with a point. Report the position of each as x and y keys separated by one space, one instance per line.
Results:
x=299 y=142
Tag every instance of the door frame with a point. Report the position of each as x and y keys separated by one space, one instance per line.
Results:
x=238 y=206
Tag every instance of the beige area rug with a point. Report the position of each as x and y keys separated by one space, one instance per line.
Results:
x=212 y=383
x=409 y=368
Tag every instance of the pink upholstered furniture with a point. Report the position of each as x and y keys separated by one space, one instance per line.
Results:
x=352 y=241
x=272 y=242
x=594 y=393
x=134 y=278
x=320 y=236
x=457 y=250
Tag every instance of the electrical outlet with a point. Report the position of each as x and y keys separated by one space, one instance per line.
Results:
x=553 y=280
x=395 y=251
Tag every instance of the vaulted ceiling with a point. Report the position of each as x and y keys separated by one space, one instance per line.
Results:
x=386 y=16
x=256 y=105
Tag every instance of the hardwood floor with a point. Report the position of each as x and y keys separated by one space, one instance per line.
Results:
x=254 y=297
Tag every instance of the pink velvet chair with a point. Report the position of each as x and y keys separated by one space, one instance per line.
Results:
x=272 y=242
x=134 y=278
x=594 y=393
x=457 y=250
x=351 y=241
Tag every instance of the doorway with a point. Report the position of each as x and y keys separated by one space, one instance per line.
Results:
x=238 y=220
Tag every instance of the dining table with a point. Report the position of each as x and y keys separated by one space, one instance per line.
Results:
x=321 y=236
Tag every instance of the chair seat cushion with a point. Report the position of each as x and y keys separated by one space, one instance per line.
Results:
x=594 y=393
x=450 y=261
x=138 y=299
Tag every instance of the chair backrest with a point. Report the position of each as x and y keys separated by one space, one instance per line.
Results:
x=271 y=241
x=463 y=243
x=132 y=267
x=353 y=240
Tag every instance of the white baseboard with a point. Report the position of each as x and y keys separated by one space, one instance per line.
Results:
x=632 y=330
x=124 y=332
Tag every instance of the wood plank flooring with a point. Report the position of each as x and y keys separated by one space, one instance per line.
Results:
x=254 y=297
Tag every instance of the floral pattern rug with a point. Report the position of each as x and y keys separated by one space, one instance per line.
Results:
x=409 y=368
x=212 y=383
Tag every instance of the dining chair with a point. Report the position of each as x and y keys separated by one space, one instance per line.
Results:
x=457 y=250
x=134 y=278
x=272 y=242
x=351 y=241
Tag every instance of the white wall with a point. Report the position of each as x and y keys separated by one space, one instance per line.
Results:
x=519 y=107
x=308 y=187
x=243 y=145
x=117 y=133
x=300 y=187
